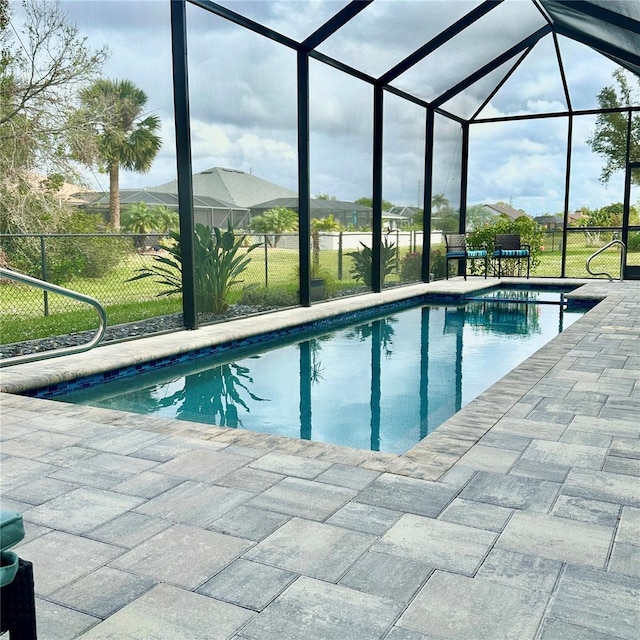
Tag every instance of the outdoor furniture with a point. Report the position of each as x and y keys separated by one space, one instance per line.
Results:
x=508 y=247
x=457 y=249
x=17 y=600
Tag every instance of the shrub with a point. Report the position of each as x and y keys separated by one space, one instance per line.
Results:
x=530 y=233
x=633 y=242
x=92 y=256
x=271 y=298
x=218 y=264
x=411 y=267
x=438 y=263
x=362 y=268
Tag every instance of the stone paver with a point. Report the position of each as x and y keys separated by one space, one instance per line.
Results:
x=183 y=556
x=60 y=558
x=512 y=491
x=601 y=601
x=103 y=592
x=444 y=545
x=318 y=550
x=557 y=539
x=518 y=518
x=304 y=498
x=454 y=606
x=407 y=494
x=82 y=509
x=338 y=613
x=248 y=584
x=166 y=613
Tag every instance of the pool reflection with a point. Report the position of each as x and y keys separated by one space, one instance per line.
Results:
x=381 y=385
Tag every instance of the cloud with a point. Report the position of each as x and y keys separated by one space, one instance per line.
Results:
x=243 y=99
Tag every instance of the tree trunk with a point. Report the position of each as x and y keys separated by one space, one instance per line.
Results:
x=114 y=196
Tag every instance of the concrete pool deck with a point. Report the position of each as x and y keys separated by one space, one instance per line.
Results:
x=518 y=518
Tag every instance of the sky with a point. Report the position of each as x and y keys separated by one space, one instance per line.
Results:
x=243 y=100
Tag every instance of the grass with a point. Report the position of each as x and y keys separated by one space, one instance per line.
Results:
x=22 y=307
x=15 y=329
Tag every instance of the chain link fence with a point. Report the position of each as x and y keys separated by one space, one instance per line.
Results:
x=103 y=265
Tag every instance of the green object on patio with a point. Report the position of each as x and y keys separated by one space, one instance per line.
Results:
x=11 y=532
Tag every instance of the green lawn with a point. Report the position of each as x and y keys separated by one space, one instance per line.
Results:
x=22 y=306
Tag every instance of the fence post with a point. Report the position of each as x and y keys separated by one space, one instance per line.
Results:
x=397 y=251
x=43 y=267
x=266 y=262
x=340 y=256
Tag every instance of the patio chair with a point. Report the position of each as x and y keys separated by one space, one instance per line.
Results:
x=508 y=247
x=17 y=600
x=457 y=249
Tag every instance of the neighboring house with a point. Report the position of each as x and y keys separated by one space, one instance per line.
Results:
x=575 y=216
x=502 y=208
x=230 y=185
x=550 y=222
x=206 y=210
x=405 y=215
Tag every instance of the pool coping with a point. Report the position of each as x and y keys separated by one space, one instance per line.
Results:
x=429 y=459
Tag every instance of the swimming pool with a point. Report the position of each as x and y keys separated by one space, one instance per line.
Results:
x=382 y=384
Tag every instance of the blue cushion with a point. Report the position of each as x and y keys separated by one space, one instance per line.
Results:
x=511 y=253
x=456 y=254
x=477 y=253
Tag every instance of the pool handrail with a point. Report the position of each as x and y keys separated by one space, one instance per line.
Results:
x=623 y=259
x=54 y=288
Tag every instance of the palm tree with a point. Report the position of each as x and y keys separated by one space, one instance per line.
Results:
x=439 y=201
x=116 y=134
x=278 y=220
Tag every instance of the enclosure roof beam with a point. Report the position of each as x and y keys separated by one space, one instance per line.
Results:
x=602 y=14
x=494 y=64
x=617 y=54
x=500 y=84
x=335 y=23
x=443 y=37
x=247 y=23
x=556 y=114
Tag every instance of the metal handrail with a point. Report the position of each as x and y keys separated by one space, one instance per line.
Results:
x=623 y=259
x=63 y=351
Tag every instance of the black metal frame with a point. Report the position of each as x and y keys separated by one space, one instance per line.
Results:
x=308 y=49
x=17 y=604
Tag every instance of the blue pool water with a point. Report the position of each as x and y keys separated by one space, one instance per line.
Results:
x=383 y=384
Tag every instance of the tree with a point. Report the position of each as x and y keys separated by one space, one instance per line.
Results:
x=278 y=220
x=478 y=215
x=116 y=134
x=327 y=224
x=368 y=202
x=44 y=62
x=610 y=136
x=439 y=201
x=143 y=219
x=593 y=219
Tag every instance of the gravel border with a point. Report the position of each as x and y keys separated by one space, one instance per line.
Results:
x=122 y=332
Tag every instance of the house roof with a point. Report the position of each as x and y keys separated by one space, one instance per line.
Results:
x=502 y=208
x=318 y=206
x=131 y=196
x=404 y=212
x=231 y=186
x=549 y=219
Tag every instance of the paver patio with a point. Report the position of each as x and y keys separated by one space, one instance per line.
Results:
x=518 y=518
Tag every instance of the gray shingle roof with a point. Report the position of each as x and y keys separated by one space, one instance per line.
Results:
x=232 y=186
